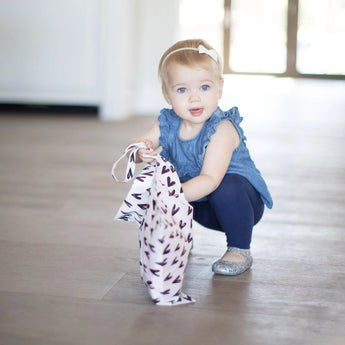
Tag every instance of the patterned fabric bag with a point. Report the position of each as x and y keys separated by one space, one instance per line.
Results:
x=157 y=204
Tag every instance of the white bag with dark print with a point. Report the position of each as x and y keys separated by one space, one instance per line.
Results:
x=156 y=202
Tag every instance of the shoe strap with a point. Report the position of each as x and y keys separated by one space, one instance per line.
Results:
x=240 y=251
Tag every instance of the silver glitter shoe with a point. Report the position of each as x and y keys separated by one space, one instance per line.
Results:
x=229 y=268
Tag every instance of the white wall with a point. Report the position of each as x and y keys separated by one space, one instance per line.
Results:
x=48 y=50
x=102 y=52
x=157 y=30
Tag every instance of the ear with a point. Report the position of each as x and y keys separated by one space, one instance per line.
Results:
x=221 y=84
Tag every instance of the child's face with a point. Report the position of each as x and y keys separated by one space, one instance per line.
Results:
x=193 y=92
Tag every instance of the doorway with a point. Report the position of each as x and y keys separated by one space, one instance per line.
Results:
x=295 y=38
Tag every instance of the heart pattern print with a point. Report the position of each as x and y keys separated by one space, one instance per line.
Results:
x=157 y=204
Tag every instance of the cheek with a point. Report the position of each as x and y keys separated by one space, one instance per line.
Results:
x=177 y=100
x=214 y=98
x=218 y=94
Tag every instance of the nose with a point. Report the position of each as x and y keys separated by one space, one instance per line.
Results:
x=194 y=96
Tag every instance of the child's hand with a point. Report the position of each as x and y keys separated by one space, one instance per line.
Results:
x=145 y=155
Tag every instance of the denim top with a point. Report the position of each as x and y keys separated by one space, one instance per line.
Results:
x=187 y=156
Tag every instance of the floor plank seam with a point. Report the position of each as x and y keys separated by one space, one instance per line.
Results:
x=112 y=287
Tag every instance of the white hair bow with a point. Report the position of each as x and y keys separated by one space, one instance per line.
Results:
x=201 y=50
x=210 y=52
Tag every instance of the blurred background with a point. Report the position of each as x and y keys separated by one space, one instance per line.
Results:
x=103 y=54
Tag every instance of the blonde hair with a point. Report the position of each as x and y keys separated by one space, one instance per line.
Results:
x=186 y=53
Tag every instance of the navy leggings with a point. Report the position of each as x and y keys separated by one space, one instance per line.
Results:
x=234 y=208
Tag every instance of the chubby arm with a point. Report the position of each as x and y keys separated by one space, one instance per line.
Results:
x=217 y=158
x=151 y=140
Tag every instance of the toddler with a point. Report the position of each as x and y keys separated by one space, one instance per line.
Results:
x=207 y=147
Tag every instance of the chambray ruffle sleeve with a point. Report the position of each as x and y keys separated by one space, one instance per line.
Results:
x=218 y=116
x=234 y=116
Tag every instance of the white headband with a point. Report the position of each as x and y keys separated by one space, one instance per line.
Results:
x=201 y=50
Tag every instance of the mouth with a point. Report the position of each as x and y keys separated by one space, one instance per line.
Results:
x=196 y=111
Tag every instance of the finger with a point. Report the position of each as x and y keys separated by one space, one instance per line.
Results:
x=148 y=143
x=149 y=153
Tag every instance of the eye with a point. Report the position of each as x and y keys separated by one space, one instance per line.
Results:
x=204 y=87
x=181 y=90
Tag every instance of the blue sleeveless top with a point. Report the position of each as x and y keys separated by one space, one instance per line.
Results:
x=187 y=156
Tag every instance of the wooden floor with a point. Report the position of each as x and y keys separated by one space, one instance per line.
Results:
x=69 y=274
